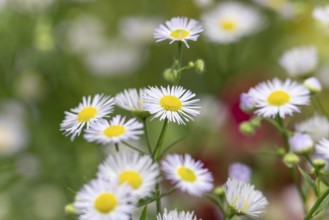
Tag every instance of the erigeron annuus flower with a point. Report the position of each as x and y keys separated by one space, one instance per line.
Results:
x=230 y=21
x=115 y=131
x=239 y=171
x=244 y=199
x=317 y=127
x=322 y=14
x=173 y=103
x=140 y=172
x=178 y=29
x=103 y=200
x=187 y=174
x=285 y=8
x=88 y=111
x=279 y=98
x=301 y=143
x=175 y=215
x=322 y=148
x=313 y=84
x=299 y=61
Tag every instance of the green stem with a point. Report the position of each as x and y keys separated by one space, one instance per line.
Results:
x=284 y=132
x=318 y=106
x=299 y=188
x=178 y=67
x=147 y=137
x=170 y=146
x=156 y=197
x=133 y=148
x=316 y=205
x=160 y=140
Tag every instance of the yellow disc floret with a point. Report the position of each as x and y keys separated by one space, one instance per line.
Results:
x=278 y=98
x=133 y=178
x=186 y=174
x=171 y=103
x=114 y=131
x=180 y=34
x=228 y=25
x=86 y=114
x=105 y=203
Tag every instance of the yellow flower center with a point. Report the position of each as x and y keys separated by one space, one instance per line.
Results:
x=278 y=98
x=132 y=178
x=228 y=25
x=186 y=174
x=171 y=103
x=105 y=203
x=114 y=131
x=180 y=34
x=86 y=114
x=237 y=202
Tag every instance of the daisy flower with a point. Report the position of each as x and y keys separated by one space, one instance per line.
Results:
x=299 y=61
x=132 y=100
x=178 y=29
x=103 y=200
x=322 y=14
x=243 y=198
x=279 y=98
x=230 y=21
x=88 y=111
x=138 y=171
x=175 y=215
x=115 y=131
x=173 y=103
x=322 y=149
x=187 y=174
x=317 y=127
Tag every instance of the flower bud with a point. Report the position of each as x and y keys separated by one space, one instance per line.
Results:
x=301 y=143
x=70 y=209
x=191 y=64
x=199 y=66
x=219 y=191
x=313 y=84
x=247 y=102
x=319 y=163
x=246 y=128
x=291 y=159
x=169 y=75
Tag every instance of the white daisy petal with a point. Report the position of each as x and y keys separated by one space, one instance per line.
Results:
x=243 y=198
x=175 y=215
x=317 y=127
x=187 y=174
x=275 y=97
x=104 y=200
x=322 y=149
x=173 y=103
x=115 y=131
x=178 y=29
x=87 y=112
x=140 y=172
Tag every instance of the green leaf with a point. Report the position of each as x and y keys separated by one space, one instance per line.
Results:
x=307 y=178
x=144 y=213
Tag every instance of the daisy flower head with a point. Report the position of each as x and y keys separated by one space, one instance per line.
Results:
x=117 y=130
x=132 y=100
x=187 y=174
x=100 y=200
x=230 y=21
x=175 y=215
x=321 y=14
x=243 y=198
x=88 y=111
x=139 y=172
x=299 y=61
x=317 y=127
x=173 y=103
x=178 y=29
x=322 y=148
x=279 y=98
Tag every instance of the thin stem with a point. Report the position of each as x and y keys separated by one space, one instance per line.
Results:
x=156 y=197
x=133 y=148
x=284 y=132
x=318 y=106
x=147 y=137
x=160 y=140
x=316 y=205
x=170 y=146
x=179 y=64
x=299 y=188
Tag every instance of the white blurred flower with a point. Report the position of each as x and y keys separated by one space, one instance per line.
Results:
x=85 y=34
x=31 y=5
x=313 y=84
x=28 y=165
x=5 y=206
x=117 y=60
x=247 y=102
x=284 y=7
x=3 y=3
x=323 y=75
x=299 y=61
x=230 y=21
x=301 y=143
x=138 y=29
x=13 y=135
x=175 y=215
x=322 y=149
x=203 y=3
x=322 y=14
x=317 y=127
x=239 y=171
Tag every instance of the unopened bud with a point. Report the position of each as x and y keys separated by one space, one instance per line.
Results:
x=291 y=159
x=246 y=128
x=247 y=102
x=319 y=163
x=70 y=209
x=169 y=75
x=255 y=122
x=191 y=64
x=281 y=151
x=219 y=191
x=313 y=84
x=199 y=66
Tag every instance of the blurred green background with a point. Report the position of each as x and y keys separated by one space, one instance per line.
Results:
x=53 y=52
